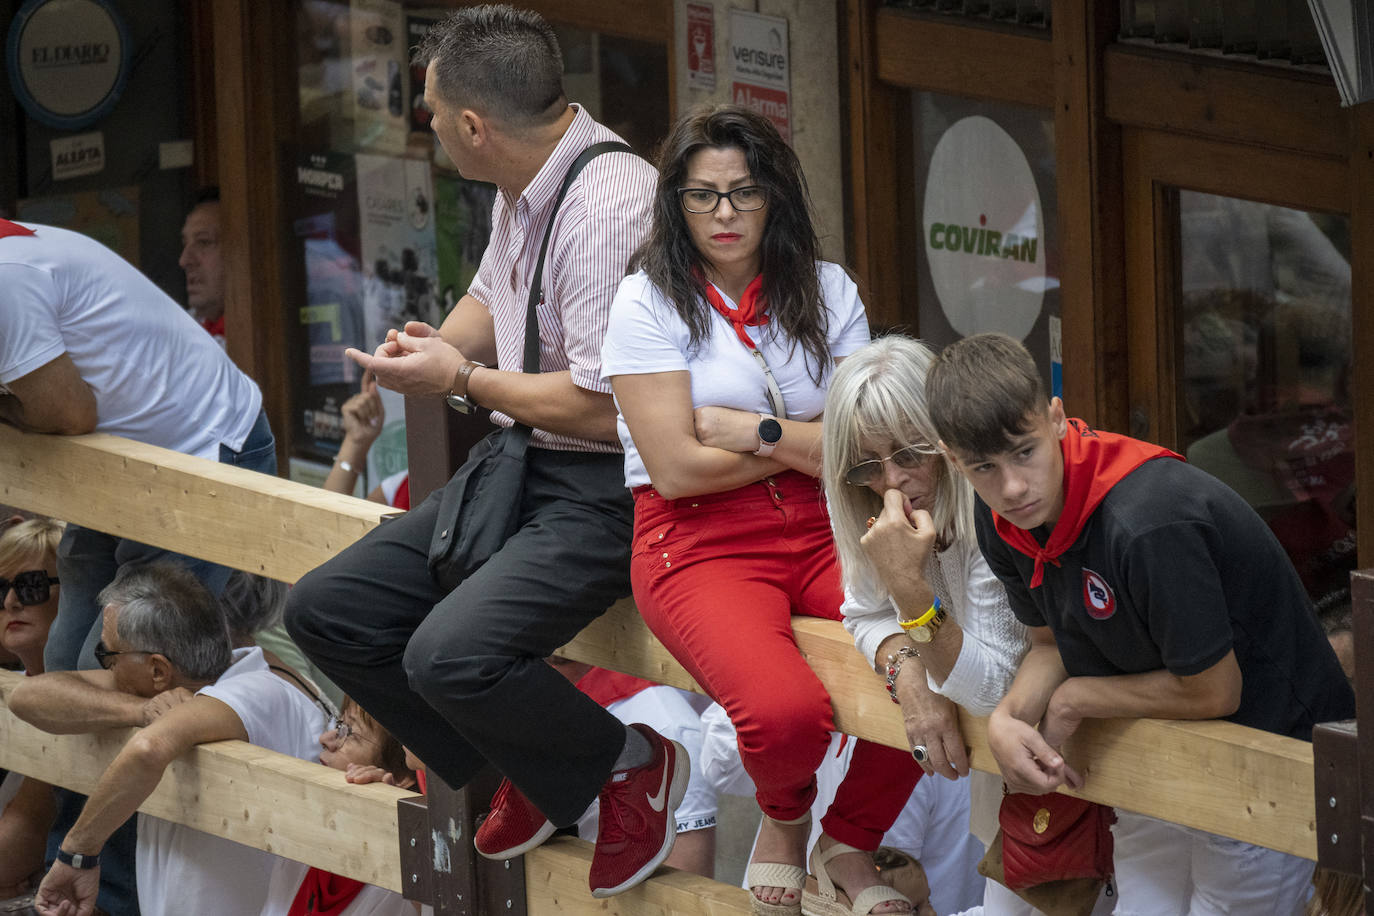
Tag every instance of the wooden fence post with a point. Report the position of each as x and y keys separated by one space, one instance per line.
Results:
x=437 y=442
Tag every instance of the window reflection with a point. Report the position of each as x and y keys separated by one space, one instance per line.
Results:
x=385 y=229
x=1265 y=372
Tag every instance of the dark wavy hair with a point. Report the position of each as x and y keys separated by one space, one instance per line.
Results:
x=789 y=249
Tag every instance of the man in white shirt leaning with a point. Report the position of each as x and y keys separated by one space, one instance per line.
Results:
x=168 y=666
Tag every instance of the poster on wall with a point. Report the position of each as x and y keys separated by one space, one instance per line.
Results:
x=380 y=115
x=983 y=221
x=462 y=227
x=983 y=228
x=399 y=275
x=417 y=27
x=332 y=317
x=760 y=72
x=701 y=46
x=109 y=216
x=68 y=60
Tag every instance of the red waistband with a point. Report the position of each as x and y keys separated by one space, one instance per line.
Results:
x=785 y=480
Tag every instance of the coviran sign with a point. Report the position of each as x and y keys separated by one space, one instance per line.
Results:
x=983 y=230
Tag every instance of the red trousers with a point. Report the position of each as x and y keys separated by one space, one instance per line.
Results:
x=718 y=578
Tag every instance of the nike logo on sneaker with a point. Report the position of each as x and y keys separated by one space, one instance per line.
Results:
x=658 y=800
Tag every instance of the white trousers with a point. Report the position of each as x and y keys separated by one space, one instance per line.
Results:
x=1163 y=869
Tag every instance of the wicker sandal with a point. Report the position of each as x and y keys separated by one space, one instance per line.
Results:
x=771 y=874
x=774 y=874
x=821 y=897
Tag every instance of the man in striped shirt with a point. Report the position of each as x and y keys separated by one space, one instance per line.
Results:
x=458 y=675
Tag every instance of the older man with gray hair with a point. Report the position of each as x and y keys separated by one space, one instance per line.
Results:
x=167 y=665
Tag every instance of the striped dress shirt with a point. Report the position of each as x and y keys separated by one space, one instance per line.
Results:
x=602 y=220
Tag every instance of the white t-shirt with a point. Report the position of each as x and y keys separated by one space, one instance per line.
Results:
x=181 y=870
x=371 y=900
x=157 y=376
x=646 y=335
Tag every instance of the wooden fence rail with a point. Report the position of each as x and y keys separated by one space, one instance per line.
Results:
x=1224 y=778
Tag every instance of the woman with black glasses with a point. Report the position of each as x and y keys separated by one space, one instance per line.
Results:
x=721 y=344
x=29 y=587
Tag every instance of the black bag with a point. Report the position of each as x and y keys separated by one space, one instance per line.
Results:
x=479 y=508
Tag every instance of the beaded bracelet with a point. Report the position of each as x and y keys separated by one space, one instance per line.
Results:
x=894 y=667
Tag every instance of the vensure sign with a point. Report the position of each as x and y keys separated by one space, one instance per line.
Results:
x=760 y=67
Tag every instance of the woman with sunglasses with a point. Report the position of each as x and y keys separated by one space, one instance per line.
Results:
x=720 y=347
x=28 y=578
x=356 y=744
x=920 y=600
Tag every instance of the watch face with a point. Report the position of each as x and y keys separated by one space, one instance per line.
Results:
x=921 y=634
x=459 y=403
x=770 y=431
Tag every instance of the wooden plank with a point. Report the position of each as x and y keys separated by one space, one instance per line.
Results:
x=556 y=878
x=645 y=20
x=1272 y=176
x=217 y=512
x=1225 y=100
x=972 y=59
x=1224 y=778
x=1215 y=776
x=1091 y=247
x=269 y=801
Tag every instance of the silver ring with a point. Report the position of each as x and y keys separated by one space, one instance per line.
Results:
x=919 y=753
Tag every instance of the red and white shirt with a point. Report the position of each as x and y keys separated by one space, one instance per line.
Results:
x=602 y=220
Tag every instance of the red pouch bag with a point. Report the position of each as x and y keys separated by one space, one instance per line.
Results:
x=1054 y=837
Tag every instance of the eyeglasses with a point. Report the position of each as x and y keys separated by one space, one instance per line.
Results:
x=32 y=587
x=910 y=458
x=343 y=730
x=705 y=200
x=105 y=657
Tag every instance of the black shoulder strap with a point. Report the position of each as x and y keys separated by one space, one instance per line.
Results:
x=537 y=287
x=516 y=443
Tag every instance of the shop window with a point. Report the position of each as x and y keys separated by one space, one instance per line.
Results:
x=984 y=215
x=1264 y=338
x=386 y=230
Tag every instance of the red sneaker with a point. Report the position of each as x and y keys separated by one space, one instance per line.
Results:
x=637 y=828
x=514 y=826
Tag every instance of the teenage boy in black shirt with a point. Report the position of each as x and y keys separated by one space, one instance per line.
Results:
x=1151 y=590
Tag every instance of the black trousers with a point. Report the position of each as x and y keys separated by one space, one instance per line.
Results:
x=459 y=677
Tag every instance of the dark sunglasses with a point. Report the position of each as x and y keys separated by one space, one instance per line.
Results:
x=911 y=457
x=105 y=657
x=32 y=587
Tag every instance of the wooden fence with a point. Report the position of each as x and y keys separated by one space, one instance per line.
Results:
x=1223 y=778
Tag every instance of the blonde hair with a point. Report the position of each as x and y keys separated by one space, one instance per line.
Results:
x=878 y=394
x=36 y=536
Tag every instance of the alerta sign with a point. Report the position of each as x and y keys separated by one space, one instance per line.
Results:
x=984 y=242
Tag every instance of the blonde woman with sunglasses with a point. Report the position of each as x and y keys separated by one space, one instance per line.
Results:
x=920 y=601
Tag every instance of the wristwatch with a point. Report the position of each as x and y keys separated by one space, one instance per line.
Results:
x=770 y=431
x=76 y=859
x=458 y=399
x=924 y=628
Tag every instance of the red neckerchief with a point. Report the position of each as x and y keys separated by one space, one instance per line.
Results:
x=215 y=326
x=8 y=228
x=752 y=311
x=1094 y=462
x=323 y=893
